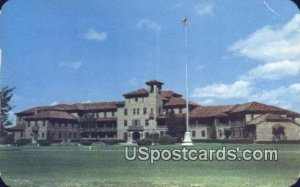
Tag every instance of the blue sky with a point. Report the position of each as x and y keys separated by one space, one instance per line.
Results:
x=91 y=51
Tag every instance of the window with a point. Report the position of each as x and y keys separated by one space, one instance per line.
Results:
x=105 y=114
x=151 y=110
x=53 y=124
x=151 y=89
x=125 y=123
x=134 y=111
x=125 y=112
x=74 y=135
x=72 y=125
x=44 y=123
x=145 y=110
x=138 y=111
x=70 y=135
x=161 y=133
x=113 y=114
x=203 y=133
x=43 y=135
x=97 y=115
x=159 y=110
x=28 y=124
x=66 y=125
x=52 y=135
x=59 y=135
x=136 y=99
x=36 y=122
x=22 y=135
x=193 y=133
x=180 y=110
x=146 y=122
x=59 y=124
x=65 y=134
x=135 y=122
x=147 y=135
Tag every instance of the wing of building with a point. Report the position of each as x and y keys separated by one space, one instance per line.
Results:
x=145 y=111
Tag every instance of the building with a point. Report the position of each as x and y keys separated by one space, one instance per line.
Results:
x=144 y=112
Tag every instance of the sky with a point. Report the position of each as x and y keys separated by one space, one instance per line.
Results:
x=92 y=51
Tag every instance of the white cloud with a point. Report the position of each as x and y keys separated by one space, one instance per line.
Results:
x=275 y=70
x=271 y=43
x=239 y=89
x=71 y=65
x=92 y=34
x=204 y=9
x=284 y=96
x=54 y=103
x=149 y=24
x=87 y=101
x=207 y=102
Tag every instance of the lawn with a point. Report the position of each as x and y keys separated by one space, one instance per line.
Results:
x=68 y=166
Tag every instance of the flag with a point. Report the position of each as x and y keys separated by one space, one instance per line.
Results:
x=297 y=2
x=2 y=3
x=185 y=21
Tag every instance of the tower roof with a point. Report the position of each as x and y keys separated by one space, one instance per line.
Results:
x=154 y=82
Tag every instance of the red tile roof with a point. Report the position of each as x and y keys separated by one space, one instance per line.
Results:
x=139 y=92
x=75 y=107
x=257 y=107
x=178 y=101
x=52 y=115
x=96 y=106
x=269 y=118
x=169 y=94
x=211 y=111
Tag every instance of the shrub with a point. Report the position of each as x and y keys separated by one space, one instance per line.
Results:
x=21 y=142
x=112 y=142
x=144 y=142
x=86 y=143
x=166 y=139
x=154 y=137
x=45 y=142
x=7 y=139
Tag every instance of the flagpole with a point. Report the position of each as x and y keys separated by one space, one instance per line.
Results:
x=186 y=79
x=187 y=136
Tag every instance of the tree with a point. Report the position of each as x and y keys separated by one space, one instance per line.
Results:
x=176 y=126
x=6 y=94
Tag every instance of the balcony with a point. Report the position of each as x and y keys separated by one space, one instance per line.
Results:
x=99 y=129
x=135 y=128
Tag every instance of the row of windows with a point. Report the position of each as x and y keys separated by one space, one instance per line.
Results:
x=136 y=111
x=59 y=135
x=136 y=99
x=172 y=111
x=136 y=122
x=203 y=133
x=53 y=124
x=97 y=115
x=112 y=125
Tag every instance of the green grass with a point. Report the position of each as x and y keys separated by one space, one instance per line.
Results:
x=68 y=166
